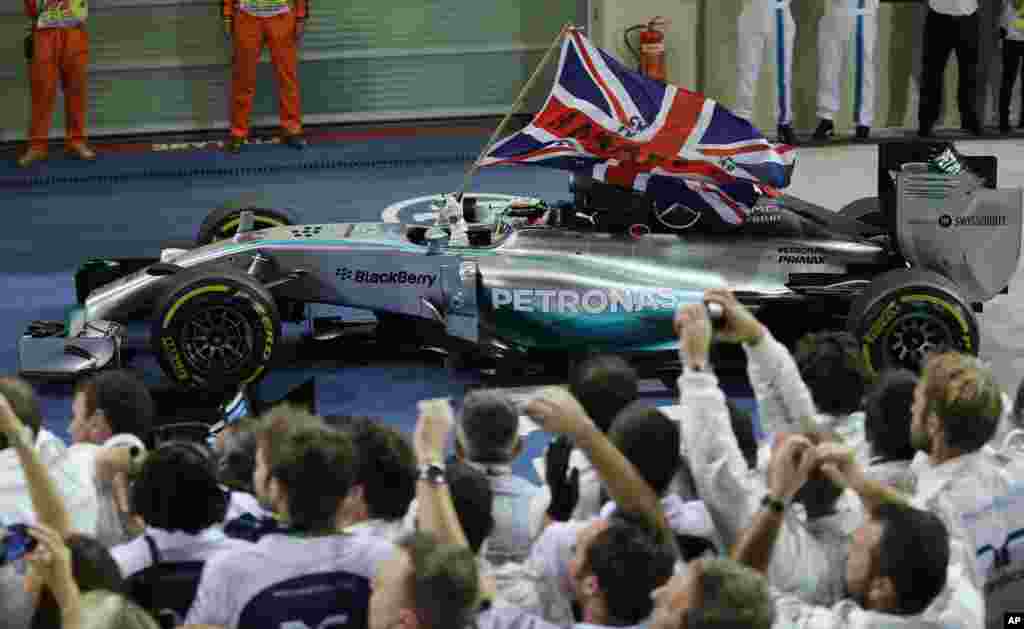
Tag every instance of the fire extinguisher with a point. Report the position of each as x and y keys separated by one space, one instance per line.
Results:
x=651 y=58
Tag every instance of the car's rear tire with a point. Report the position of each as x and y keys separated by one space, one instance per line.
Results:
x=905 y=314
x=222 y=223
x=215 y=329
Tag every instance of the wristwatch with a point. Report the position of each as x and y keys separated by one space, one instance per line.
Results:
x=774 y=504
x=433 y=473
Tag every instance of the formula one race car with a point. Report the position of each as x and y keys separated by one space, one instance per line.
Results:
x=905 y=271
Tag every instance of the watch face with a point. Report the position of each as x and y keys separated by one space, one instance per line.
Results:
x=432 y=473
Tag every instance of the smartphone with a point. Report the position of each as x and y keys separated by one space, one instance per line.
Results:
x=17 y=542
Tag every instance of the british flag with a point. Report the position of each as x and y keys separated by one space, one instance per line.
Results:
x=618 y=126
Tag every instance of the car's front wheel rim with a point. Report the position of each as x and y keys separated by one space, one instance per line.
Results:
x=217 y=340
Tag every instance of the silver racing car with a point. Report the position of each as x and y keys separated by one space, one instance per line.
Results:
x=905 y=271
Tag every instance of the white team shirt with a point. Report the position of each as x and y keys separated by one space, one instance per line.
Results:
x=174 y=547
x=689 y=517
x=809 y=556
x=961 y=491
x=387 y=530
x=502 y=617
x=549 y=561
x=954 y=7
x=113 y=524
x=73 y=477
x=241 y=503
x=513 y=495
x=959 y=607
x=232 y=579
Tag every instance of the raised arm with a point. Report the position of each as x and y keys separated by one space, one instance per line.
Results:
x=783 y=399
x=557 y=411
x=790 y=466
x=46 y=500
x=723 y=479
x=435 y=509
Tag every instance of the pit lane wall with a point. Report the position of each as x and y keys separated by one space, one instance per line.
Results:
x=701 y=54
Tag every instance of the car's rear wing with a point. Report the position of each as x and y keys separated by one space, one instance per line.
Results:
x=959 y=225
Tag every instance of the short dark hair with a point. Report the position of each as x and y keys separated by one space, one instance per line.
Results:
x=315 y=463
x=604 y=385
x=125 y=400
x=92 y=567
x=22 y=398
x=965 y=396
x=832 y=367
x=385 y=464
x=444 y=585
x=888 y=414
x=629 y=564
x=177 y=489
x=743 y=427
x=488 y=426
x=914 y=552
x=474 y=502
x=650 y=441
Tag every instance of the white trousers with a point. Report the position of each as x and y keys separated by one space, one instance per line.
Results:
x=847 y=40
x=765 y=31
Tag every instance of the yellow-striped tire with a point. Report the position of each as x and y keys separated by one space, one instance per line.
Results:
x=905 y=314
x=215 y=329
x=222 y=223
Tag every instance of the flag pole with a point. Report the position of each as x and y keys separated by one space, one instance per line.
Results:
x=518 y=103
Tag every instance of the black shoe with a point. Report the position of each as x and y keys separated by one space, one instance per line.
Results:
x=786 y=134
x=1004 y=125
x=235 y=144
x=295 y=140
x=826 y=129
x=863 y=132
x=925 y=132
x=978 y=131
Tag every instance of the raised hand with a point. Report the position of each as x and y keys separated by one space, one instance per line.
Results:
x=738 y=324
x=557 y=411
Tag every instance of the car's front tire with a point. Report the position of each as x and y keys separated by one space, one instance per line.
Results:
x=906 y=314
x=215 y=329
x=222 y=223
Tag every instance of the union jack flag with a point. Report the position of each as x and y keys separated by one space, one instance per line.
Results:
x=620 y=127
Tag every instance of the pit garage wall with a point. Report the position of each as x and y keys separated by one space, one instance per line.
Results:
x=701 y=54
x=164 y=65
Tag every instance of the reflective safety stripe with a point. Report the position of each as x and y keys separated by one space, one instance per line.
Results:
x=265 y=8
x=61 y=13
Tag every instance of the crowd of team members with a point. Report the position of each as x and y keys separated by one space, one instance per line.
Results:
x=874 y=503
